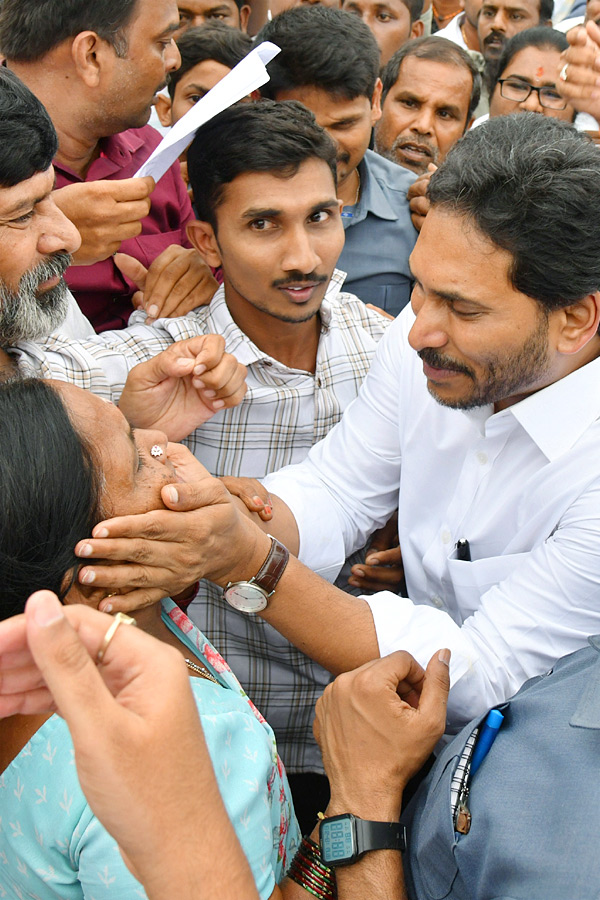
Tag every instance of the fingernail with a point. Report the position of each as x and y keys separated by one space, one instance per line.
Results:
x=84 y=550
x=257 y=501
x=88 y=577
x=47 y=610
x=359 y=572
x=218 y=404
x=268 y=510
x=105 y=607
x=444 y=657
x=100 y=532
x=199 y=370
x=372 y=560
x=210 y=393
x=172 y=494
x=152 y=311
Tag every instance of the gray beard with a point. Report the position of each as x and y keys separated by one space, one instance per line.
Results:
x=27 y=316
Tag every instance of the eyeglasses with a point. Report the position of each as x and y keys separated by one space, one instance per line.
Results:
x=519 y=91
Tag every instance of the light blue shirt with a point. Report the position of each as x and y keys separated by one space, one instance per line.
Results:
x=379 y=236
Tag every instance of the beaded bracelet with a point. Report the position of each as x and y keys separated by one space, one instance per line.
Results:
x=310 y=872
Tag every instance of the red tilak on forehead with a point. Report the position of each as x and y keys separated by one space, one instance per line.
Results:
x=539 y=71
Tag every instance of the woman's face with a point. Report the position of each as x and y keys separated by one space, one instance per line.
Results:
x=534 y=67
x=132 y=477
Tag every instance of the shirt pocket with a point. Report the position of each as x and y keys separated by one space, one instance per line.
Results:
x=471 y=579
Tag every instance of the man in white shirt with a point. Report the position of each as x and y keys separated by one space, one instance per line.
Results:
x=486 y=438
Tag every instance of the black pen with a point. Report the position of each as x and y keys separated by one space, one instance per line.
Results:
x=463 y=550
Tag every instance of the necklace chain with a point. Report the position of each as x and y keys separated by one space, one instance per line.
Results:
x=200 y=670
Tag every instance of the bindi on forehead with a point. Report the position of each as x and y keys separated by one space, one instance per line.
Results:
x=539 y=72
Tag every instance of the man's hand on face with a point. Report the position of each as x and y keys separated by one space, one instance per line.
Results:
x=417 y=199
x=105 y=213
x=184 y=386
x=582 y=60
x=200 y=534
x=177 y=282
x=376 y=727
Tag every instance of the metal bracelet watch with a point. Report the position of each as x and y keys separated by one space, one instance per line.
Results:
x=252 y=596
x=344 y=839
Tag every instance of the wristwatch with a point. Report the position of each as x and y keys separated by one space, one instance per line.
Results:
x=252 y=596
x=344 y=839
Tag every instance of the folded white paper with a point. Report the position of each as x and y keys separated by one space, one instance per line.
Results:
x=247 y=76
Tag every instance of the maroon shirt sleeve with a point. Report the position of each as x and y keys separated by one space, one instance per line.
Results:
x=101 y=291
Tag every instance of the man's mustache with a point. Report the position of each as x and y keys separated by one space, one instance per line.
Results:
x=299 y=278
x=437 y=361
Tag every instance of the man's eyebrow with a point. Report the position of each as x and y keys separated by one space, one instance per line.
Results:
x=261 y=213
x=217 y=9
x=449 y=107
x=455 y=297
x=131 y=436
x=170 y=29
x=28 y=203
x=326 y=204
x=197 y=88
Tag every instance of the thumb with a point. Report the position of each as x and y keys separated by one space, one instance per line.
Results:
x=432 y=168
x=186 y=497
x=65 y=664
x=132 y=269
x=436 y=685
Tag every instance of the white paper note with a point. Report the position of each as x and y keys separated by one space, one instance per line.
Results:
x=247 y=76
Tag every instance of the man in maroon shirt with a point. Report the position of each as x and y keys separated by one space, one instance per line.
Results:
x=98 y=80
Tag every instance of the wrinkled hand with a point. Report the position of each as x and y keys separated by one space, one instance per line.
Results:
x=178 y=281
x=417 y=200
x=376 y=727
x=200 y=534
x=252 y=493
x=184 y=386
x=105 y=213
x=140 y=752
x=582 y=87
x=382 y=569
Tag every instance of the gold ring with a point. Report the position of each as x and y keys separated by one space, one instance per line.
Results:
x=563 y=72
x=119 y=619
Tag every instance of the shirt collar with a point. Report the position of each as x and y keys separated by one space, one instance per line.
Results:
x=587 y=712
x=372 y=197
x=239 y=344
x=557 y=416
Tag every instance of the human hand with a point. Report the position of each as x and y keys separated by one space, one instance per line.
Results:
x=382 y=569
x=253 y=495
x=178 y=281
x=582 y=59
x=141 y=757
x=376 y=727
x=200 y=534
x=105 y=213
x=417 y=199
x=378 y=309
x=184 y=386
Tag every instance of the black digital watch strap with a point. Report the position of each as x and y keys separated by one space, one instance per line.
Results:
x=379 y=835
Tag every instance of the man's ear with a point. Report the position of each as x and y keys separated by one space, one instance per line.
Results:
x=163 y=110
x=578 y=324
x=91 y=55
x=376 y=102
x=417 y=29
x=244 y=16
x=202 y=236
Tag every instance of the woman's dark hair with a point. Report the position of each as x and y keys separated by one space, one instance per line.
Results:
x=50 y=492
x=541 y=36
x=28 y=141
x=531 y=184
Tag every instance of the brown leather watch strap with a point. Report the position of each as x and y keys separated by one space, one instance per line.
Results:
x=273 y=567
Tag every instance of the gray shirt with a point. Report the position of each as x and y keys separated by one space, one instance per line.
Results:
x=534 y=802
x=379 y=235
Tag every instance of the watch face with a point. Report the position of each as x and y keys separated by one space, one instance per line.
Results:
x=338 y=840
x=246 y=597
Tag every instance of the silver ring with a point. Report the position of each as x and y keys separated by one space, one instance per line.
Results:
x=563 y=72
x=156 y=452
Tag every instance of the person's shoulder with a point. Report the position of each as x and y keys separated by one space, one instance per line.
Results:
x=349 y=311
x=390 y=175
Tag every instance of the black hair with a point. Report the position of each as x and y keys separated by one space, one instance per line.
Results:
x=253 y=137
x=436 y=49
x=546 y=10
x=31 y=28
x=50 y=492
x=531 y=184
x=324 y=48
x=217 y=41
x=541 y=36
x=28 y=141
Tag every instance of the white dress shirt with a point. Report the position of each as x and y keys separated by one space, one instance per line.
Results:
x=522 y=485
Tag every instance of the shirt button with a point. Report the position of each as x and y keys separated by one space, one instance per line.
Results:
x=446 y=536
x=482 y=457
x=437 y=601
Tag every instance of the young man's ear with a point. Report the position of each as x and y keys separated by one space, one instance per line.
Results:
x=91 y=56
x=244 y=16
x=376 y=102
x=163 y=110
x=202 y=236
x=417 y=29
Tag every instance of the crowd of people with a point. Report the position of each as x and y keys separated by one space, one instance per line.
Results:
x=298 y=542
